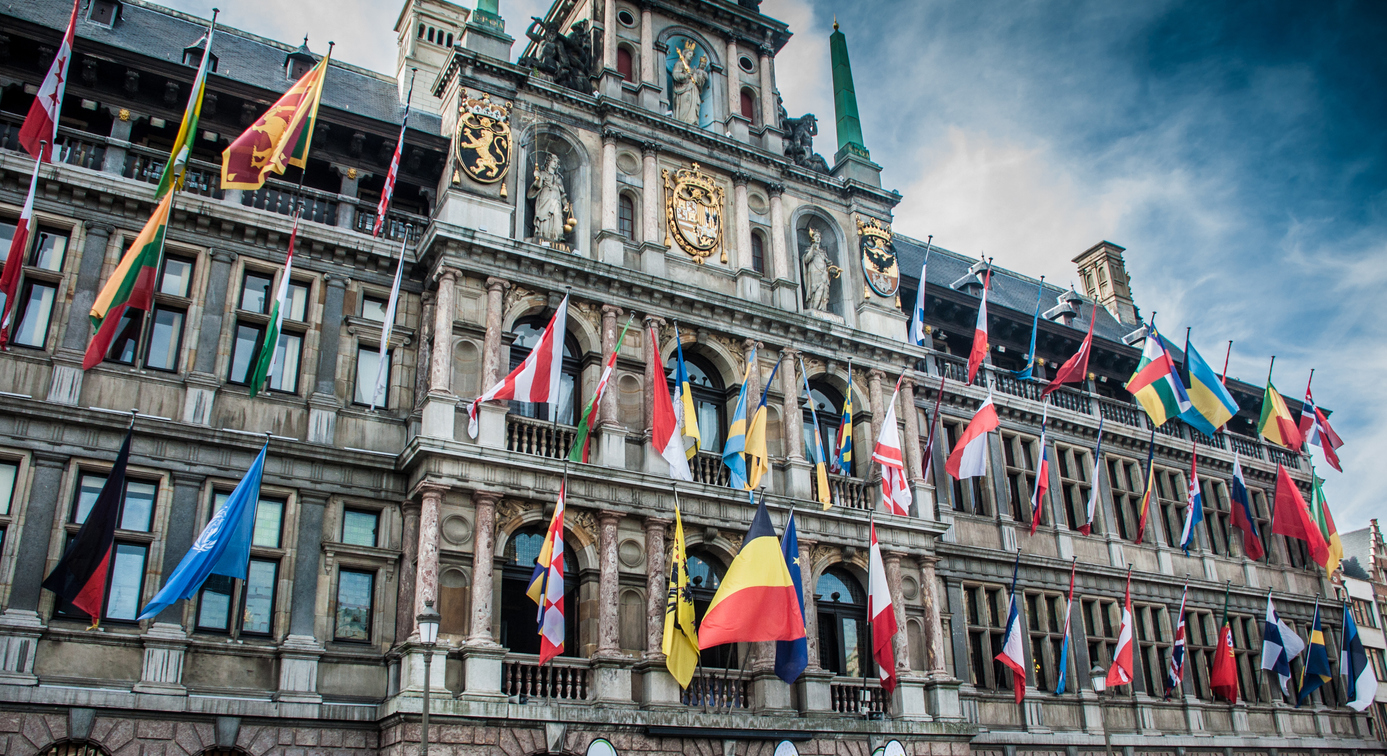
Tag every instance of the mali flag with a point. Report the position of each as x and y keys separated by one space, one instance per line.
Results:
x=280 y=138
x=1277 y=425
x=1211 y=404
x=757 y=600
x=131 y=285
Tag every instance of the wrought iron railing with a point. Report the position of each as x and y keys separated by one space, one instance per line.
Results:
x=562 y=679
x=851 y=695
x=539 y=437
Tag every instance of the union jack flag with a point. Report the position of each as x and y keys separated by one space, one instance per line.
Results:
x=1176 y=673
x=389 y=190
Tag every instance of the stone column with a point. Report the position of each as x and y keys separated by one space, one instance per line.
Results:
x=738 y=125
x=609 y=34
x=656 y=586
x=922 y=493
x=323 y=403
x=300 y=651
x=426 y=574
x=202 y=382
x=874 y=394
x=611 y=247
x=652 y=203
x=934 y=625
x=178 y=536
x=409 y=544
x=648 y=48
x=483 y=563
x=900 y=644
x=118 y=145
x=811 y=611
x=786 y=290
x=748 y=280
x=440 y=403
x=655 y=375
x=753 y=376
x=65 y=384
x=491 y=343
x=791 y=402
x=608 y=639
x=770 y=112
x=611 y=433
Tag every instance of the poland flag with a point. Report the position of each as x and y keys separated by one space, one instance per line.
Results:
x=969 y=457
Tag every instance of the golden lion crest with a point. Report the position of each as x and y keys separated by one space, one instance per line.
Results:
x=693 y=212
x=482 y=142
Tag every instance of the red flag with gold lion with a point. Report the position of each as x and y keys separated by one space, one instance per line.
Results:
x=280 y=138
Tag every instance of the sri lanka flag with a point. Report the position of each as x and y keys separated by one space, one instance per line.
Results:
x=280 y=138
x=1210 y=403
x=1276 y=424
x=842 y=458
x=1314 y=427
x=684 y=403
x=1156 y=385
x=734 y=451
x=756 y=600
x=131 y=285
x=546 y=585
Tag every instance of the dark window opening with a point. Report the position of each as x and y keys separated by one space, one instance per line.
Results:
x=626 y=217
x=624 y=65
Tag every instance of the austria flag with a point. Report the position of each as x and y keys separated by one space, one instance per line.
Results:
x=665 y=435
x=976 y=356
x=41 y=125
x=537 y=379
x=882 y=615
x=969 y=457
x=9 y=278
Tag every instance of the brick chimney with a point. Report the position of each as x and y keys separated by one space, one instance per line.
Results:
x=1105 y=280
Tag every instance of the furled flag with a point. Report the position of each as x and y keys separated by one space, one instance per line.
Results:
x=1319 y=512
x=757 y=456
x=734 y=450
x=792 y=656
x=394 y=171
x=1292 y=519
x=1064 y=646
x=842 y=451
x=1280 y=645
x=1194 y=506
x=1223 y=674
x=969 y=456
x=1149 y=490
x=582 y=436
x=546 y=584
x=41 y=124
x=917 y=318
x=684 y=403
x=1315 y=671
x=223 y=548
x=1315 y=429
x=176 y=167
x=1242 y=513
x=1276 y=424
x=1359 y=677
x=665 y=435
x=895 y=488
x=268 y=360
x=756 y=600
x=979 y=350
x=80 y=576
x=1156 y=384
x=882 y=615
x=1028 y=373
x=1092 y=508
x=14 y=262
x=279 y=138
x=1075 y=369
x=680 y=643
x=1120 y=673
x=537 y=378
x=1013 y=653
x=387 y=329
x=817 y=453
x=1210 y=403
x=131 y=285
x=1175 y=672
x=933 y=419
x=1042 y=473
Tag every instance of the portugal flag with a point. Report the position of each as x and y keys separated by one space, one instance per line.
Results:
x=131 y=286
x=756 y=600
x=280 y=138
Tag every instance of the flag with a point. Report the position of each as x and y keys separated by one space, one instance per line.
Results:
x=1064 y=647
x=546 y=584
x=1280 y=644
x=1120 y=673
x=1042 y=473
x=41 y=124
x=1156 y=385
x=969 y=456
x=394 y=171
x=14 y=262
x=842 y=453
x=1242 y=513
x=279 y=138
x=582 y=437
x=1315 y=671
x=792 y=656
x=1194 y=507
x=1028 y=373
x=131 y=285
x=680 y=644
x=757 y=457
x=1092 y=509
x=1223 y=674
x=1210 y=403
x=176 y=167
x=1013 y=653
x=979 y=350
x=882 y=616
x=1175 y=673
x=816 y=452
x=1149 y=491
x=79 y=578
x=537 y=378
x=895 y=489
x=1319 y=512
x=917 y=318
x=756 y=599
x=664 y=422
x=223 y=548
x=933 y=425
x=269 y=348
x=1359 y=677
x=387 y=327
x=1074 y=369
x=1290 y=518
x=734 y=451
x=684 y=405
x=1315 y=429
x=1276 y=424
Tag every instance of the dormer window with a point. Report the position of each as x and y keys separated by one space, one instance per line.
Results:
x=299 y=62
x=192 y=55
x=104 y=12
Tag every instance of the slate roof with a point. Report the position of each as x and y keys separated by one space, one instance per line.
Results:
x=162 y=33
x=1358 y=543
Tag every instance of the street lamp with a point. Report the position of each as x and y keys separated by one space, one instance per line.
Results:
x=428 y=636
x=1098 y=677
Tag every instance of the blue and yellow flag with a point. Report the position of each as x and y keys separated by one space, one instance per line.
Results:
x=734 y=451
x=817 y=455
x=842 y=456
x=757 y=459
x=1315 y=672
x=1210 y=403
x=683 y=401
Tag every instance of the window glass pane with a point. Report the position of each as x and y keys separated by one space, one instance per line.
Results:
x=244 y=351
x=373 y=309
x=255 y=293
x=850 y=645
x=367 y=365
x=260 y=594
x=88 y=488
x=269 y=513
x=218 y=501
x=126 y=344
x=297 y=306
x=214 y=608
x=359 y=528
x=702 y=574
x=287 y=355
x=127 y=580
x=165 y=336
x=177 y=278
x=32 y=330
x=9 y=472
x=711 y=430
x=49 y=250
x=139 y=505
x=6 y=233
x=354 y=605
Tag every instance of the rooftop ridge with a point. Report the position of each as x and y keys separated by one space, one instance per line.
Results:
x=1013 y=273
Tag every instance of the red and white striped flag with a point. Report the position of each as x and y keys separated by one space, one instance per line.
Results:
x=1120 y=673
x=14 y=263
x=1042 y=474
x=969 y=456
x=389 y=190
x=895 y=488
x=537 y=378
x=975 y=357
x=882 y=615
x=665 y=435
x=41 y=125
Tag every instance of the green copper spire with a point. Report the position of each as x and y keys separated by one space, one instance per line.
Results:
x=488 y=16
x=845 y=97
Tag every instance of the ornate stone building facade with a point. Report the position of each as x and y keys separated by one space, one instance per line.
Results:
x=638 y=156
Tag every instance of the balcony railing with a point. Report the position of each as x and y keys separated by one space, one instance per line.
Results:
x=77 y=148
x=1169 y=428
x=1281 y=456
x=954 y=370
x=1119 y=412
x=1215 y=442
x=711 y=690
x=844 y=491
x=539 y=437
x=1245 y=446
x=280 y=197
x=1008 y=384
x=707 y=467
x=851 y=695
x=397 y=224
x=202 y=179
x=1072 y=401
x=561 y=679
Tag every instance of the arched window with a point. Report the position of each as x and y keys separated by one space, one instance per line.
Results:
x=709 y=397
x=527 y=332
x=758 y=253
x=430 y=33
x=450 y=39
x=519 y=614
x=749 y=105
x=626 y=216
x=705 y=575
x=844 y=647
x=828 y=406
x=421 y=31
x=624 y=64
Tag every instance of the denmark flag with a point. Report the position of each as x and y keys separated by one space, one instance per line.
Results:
x=537 y=378
x=969 y=456
x=883 y=616
x=895 y=489
x=41 y=125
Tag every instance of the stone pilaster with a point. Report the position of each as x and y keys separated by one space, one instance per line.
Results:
x=202 y=382
x=655 y=375
x=117 y=147
x=20 y=626
x=899 y=645
x=65 y=383
x=656 y=586
x=426 y=574
x=491 y=342
x=441 y=403
x=608 y=640
x=323 y=403
x=786 y=295
x=611 y=433
x=483 y=564
x=941 y=689
x=791 y=404
x=161 y=673
x=652 y=241
x=874 y=395
x=611 y=246
x=811 y=611
x=409 y=545
x=748 y=280
x=770 y=112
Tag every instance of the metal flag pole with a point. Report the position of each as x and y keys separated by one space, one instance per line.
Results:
x=864 y=703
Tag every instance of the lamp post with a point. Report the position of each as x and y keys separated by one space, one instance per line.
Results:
x=1098 y=677
x=428 y=636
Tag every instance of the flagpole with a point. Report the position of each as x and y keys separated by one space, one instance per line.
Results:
x=864 y=703
x=1224 y=378
x=1269 y=367
x=928 y=465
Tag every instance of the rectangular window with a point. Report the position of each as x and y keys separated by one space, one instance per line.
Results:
x=1127 y=479
x=971 y=495
x=1045 y=619
x=1261 y=513
x=165 y=339
x=244 y=351
x=127 y=581
x=1201 y=640
x=354 y=598
x=9 y=475
x=1075 y=467
x=269 y=519
x=1020 y=454
x=1102 y=623
x=296 y=306
x=985 y=609
x=758 y=254
x=50 y=250
x=125 y=347
x=1153 y=646
x=1172 y=493
x=373 y=308
x=257 y=615
x=1363 y=613
x=288 y=353
x=177 y=277
x=1217 y=511
x=367 y=367
x=1247 y=648
x=255 y=292
x=137 y=504
x=214 y=603
x=359 y=528
x=35 y=310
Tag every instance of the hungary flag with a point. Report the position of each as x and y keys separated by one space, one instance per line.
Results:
x=265 y=363
x=131 y=286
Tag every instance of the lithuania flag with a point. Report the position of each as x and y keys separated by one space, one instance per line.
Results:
x=756 y=600
x=131 y=286
x=1276 y=424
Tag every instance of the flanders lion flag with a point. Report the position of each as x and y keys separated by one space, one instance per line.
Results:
x=280 y=138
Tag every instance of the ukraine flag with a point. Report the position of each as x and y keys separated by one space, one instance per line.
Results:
x=1210 y=403
x=734 y=451
x=756 y=600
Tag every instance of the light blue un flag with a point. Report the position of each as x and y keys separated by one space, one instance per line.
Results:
x=222 y=549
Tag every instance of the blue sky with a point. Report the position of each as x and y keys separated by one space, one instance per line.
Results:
x=1236 y=149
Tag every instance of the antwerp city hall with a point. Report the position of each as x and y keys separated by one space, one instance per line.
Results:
x=634 y=155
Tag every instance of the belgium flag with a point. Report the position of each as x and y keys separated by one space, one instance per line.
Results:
x=757 y=600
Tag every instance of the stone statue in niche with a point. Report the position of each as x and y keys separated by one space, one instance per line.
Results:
x=818 y=270
x=689 y=81
x=553 y=216
x=799 y=144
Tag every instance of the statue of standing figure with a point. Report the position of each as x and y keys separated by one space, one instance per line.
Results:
x=818 y=269
x=688 y=85
x=551 y=201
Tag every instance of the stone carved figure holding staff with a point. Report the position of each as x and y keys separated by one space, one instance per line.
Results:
x=551 y=201
x=688 y=85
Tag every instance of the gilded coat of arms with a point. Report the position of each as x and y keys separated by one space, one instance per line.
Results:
x=482 y=144
x=693 y=212
x=878 y=256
